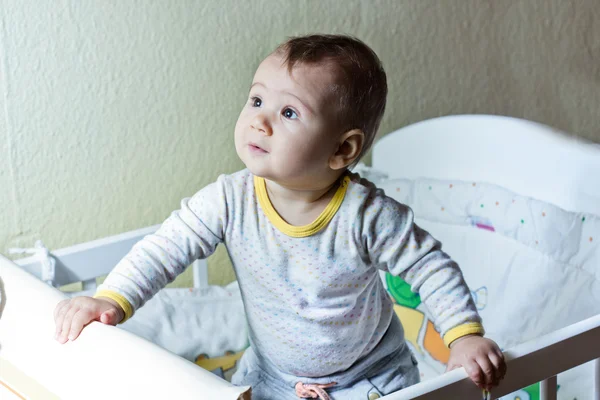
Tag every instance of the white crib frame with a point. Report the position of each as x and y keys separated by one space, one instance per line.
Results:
x=536 y=361
x=539 y=360
x=87 y=261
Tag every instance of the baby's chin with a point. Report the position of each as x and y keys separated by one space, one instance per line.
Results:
x=268 y=173
x=258 y=168
x=268 y=169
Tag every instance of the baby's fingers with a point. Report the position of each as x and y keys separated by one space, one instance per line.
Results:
x=60 y=318
x=489 y=373
x=66 y=325
x=80 y=319
x=475 y=374
x=59 y=315
x=109 y=317
x=451 y=366
x=59 y=307
x=499 y=364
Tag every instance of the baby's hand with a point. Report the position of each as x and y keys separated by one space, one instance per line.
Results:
x=72 y=315
x=481 y=358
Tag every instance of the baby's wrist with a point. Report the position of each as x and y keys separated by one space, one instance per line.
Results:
x=470 y=335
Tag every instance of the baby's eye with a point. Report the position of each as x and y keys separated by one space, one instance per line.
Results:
x=290 y=114
x=256 y=102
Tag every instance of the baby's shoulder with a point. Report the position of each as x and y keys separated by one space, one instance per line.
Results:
x=226 y=187
x=237 y=179
x=369 y=197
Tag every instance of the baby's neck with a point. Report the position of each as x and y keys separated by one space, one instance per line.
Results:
x=300 y=207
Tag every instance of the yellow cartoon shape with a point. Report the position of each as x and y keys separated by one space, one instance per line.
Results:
x=226 y=362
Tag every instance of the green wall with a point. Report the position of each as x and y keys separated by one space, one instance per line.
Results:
x=112 y=111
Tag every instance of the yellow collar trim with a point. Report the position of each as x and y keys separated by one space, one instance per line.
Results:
x=322 y=220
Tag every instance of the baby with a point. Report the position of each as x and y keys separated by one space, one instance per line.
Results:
x=307 y=239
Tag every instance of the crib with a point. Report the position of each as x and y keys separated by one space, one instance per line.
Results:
x=473 y=180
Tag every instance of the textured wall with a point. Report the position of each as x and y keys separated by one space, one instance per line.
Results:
x=115 y=110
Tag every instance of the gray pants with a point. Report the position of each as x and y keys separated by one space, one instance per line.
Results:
x=390 y=367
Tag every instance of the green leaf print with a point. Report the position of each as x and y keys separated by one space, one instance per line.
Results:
x=400 y=291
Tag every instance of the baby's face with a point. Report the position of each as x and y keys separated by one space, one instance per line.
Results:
x=286 y=131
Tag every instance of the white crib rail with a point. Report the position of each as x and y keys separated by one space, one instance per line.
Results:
x=535 y=361
x=86 y=261
x=36 y=366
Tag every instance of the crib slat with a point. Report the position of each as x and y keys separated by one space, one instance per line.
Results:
x=597 y=379
x=89 y=284
x=88 y=260
x=548 y=389
x=200 y=270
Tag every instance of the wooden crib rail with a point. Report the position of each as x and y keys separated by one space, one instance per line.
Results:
x=539 y=360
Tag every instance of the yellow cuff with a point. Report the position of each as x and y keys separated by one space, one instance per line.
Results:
x=121 y=301
x=470 y=328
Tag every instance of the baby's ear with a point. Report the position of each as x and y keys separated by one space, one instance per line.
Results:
x=349 y=148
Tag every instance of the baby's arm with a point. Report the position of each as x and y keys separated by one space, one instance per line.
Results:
x=190 y=233
x=396 y=244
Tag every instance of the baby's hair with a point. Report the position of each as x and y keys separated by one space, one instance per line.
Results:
x=361 y=85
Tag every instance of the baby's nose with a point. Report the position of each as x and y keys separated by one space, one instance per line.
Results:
x=262 y=124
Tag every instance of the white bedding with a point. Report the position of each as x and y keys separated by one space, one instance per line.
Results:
x=535 y=266
x=192 y=322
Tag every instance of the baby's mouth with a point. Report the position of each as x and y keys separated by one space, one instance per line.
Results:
x=256 y=148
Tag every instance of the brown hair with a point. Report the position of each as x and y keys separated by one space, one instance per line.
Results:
x=361 y=86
